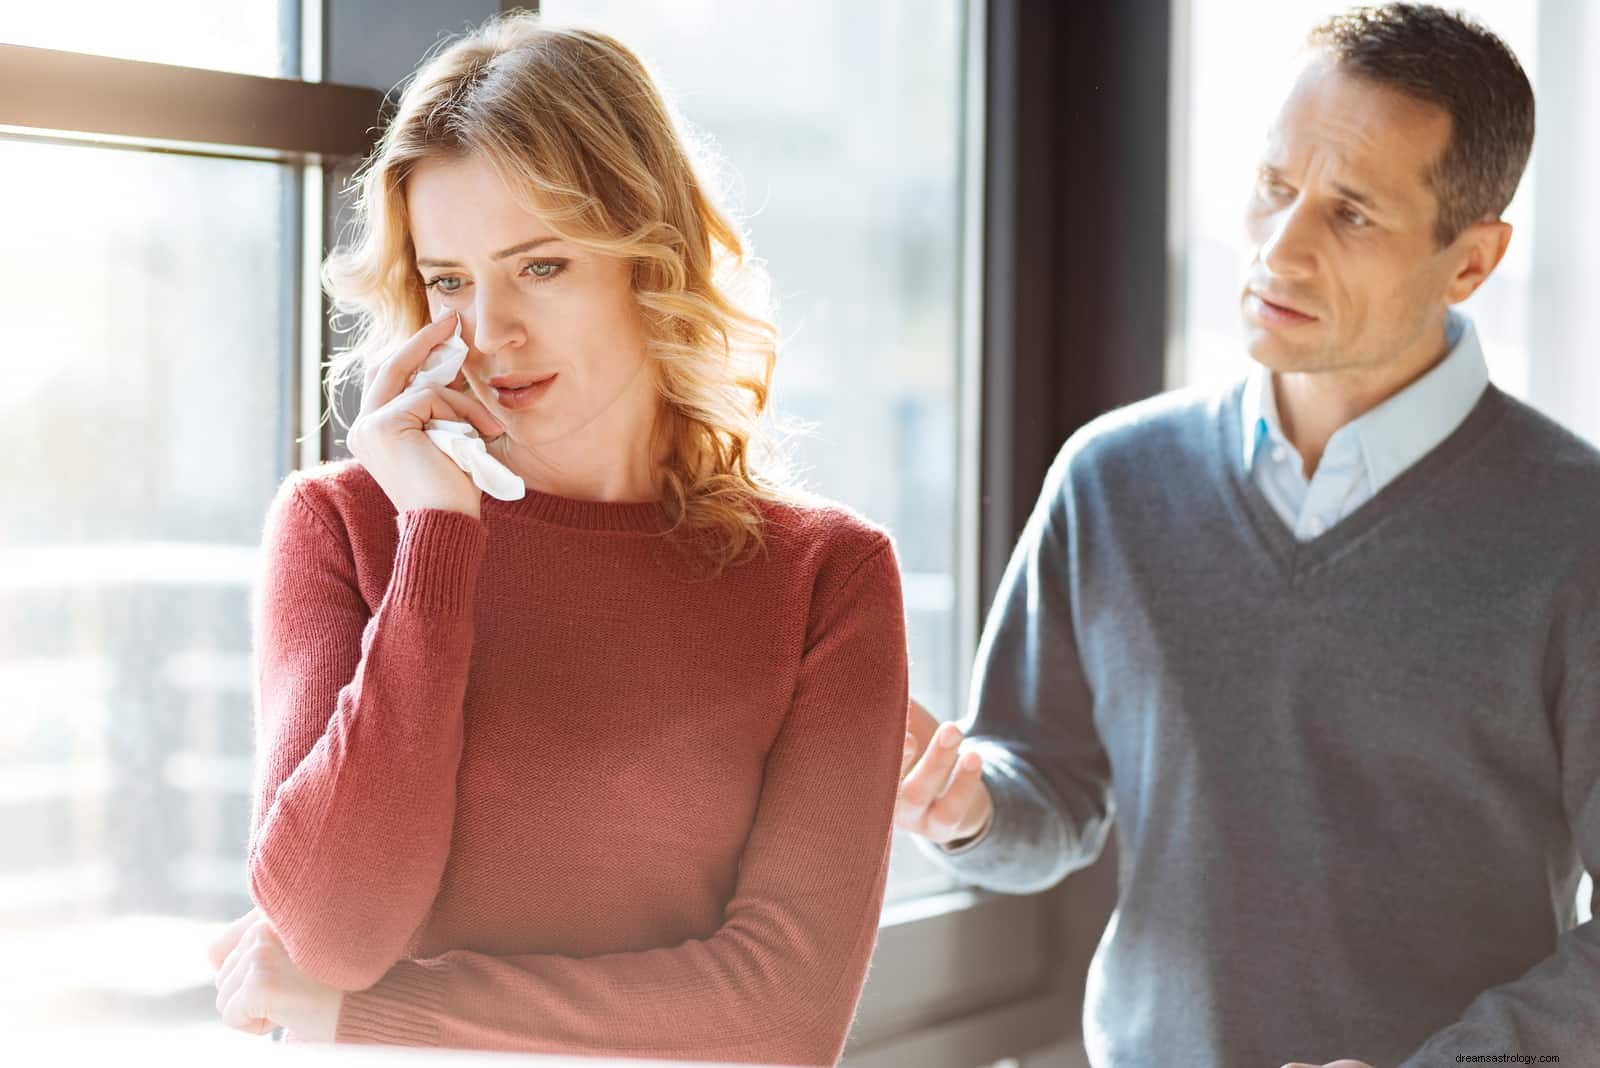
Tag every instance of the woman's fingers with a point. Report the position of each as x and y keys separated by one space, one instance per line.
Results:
x=243 y=982
x=233 y=975
x=392 y=375
x=414 y=408
x=229 y=937
x=244 y=1006
x=231 y=963
x=467 y=408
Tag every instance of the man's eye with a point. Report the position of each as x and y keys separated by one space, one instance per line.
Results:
x=1353 y=217
x=1274 y=187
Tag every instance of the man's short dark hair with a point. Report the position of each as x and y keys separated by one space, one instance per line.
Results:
x=1447 y=59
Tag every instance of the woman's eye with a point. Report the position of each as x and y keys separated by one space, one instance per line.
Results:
x=447 y=284
x=542 y=271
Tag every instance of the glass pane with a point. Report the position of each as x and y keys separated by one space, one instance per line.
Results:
x=146 y=303
x=243 y=36
x=841 y=123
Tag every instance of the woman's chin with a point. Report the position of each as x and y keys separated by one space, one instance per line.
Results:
x=524 y=434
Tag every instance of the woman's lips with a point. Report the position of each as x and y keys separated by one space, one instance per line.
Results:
x=521 y=397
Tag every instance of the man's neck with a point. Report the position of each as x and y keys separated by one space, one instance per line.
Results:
x=1313 y=406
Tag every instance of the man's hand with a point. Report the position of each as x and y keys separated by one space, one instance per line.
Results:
x=1331 y=1064
x=259 y=987
x=942 y=796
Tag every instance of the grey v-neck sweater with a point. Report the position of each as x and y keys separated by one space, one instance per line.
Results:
x=1355 y=779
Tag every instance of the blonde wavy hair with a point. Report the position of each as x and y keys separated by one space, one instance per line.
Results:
x=573 y=123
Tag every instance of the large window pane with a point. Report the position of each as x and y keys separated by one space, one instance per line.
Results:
x=1527 y=314
x=840 y=123
x=148 y=318
x=243 y=36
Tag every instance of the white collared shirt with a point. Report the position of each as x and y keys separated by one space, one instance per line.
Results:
x=1367 y=453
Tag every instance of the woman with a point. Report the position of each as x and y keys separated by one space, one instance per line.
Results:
x=608 y=769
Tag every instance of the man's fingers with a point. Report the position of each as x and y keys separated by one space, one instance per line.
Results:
x=951 y=808
x=229 y=937
x=927 y=780
x=920 y=723
x=396 y=370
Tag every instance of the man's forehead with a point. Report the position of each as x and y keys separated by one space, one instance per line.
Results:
x=1381 y=136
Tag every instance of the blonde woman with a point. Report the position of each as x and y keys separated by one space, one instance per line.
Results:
x=610 y=768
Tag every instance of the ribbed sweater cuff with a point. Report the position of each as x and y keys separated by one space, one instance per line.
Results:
x=401 y=1009
x=436 y=562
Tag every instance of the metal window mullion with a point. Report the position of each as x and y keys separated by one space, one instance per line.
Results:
x=161 y=105
x=969 y=360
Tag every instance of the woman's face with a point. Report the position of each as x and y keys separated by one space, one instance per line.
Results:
x=556 y=342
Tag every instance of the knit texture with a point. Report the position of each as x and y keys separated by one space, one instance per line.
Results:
x=1355 y=780
x=534 y=782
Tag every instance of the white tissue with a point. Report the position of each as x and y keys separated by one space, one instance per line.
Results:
x=460 y=441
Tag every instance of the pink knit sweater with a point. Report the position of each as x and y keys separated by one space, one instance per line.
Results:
x=532 y=782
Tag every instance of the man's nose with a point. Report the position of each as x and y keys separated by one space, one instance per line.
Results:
x=1288 y=246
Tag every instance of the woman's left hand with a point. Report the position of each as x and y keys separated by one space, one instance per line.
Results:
x=259 y=987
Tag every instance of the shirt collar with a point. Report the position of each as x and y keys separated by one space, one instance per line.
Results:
x=1401 y=430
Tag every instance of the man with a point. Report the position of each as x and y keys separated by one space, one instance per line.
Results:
x=1328 y=645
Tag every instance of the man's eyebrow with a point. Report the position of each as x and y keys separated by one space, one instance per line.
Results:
x=526 y=246
x=1356 y=196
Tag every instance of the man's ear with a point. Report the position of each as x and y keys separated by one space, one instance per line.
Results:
x=1481 y=247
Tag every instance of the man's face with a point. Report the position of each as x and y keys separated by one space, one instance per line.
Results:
x=1345 y=272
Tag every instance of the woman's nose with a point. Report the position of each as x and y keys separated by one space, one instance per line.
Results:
x=491 y=325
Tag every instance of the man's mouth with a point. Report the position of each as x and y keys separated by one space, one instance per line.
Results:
x=1278 y=310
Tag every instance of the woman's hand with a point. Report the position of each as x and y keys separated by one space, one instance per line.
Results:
x=259 y=987
x=387 y=435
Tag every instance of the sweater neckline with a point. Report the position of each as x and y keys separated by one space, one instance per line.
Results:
x=628 y=517
x=1297 y=558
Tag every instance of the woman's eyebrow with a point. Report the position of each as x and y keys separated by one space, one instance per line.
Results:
x=502 y=254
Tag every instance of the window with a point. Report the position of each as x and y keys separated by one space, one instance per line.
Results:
x=155 y=302
x=840 y=125
x=259 y=37
x=1527 y=313
x=149 y=301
